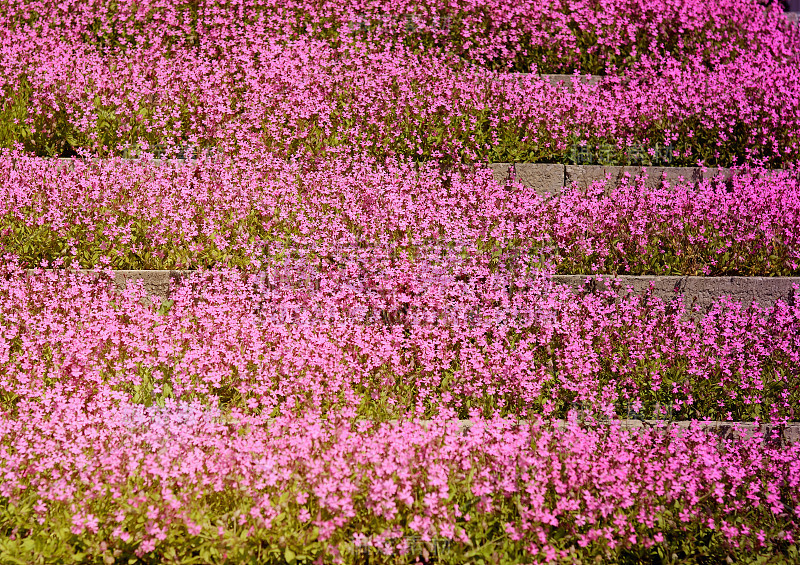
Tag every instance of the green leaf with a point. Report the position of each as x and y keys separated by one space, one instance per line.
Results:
x=290 y=556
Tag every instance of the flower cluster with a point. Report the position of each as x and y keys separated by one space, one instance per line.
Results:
x=382 y=341
x=591 y=36
x=85 y=478
x=354 y=281
x=245 y=211
x=306 y=97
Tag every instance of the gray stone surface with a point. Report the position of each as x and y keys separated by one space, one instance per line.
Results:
x=568 y=80
x=501 y=171
x=565 y=81
x=704 y=290
x=585 y=175
x=546 y=179
x=156 y=283
x=786 y=435
x=772 y=434
x=69 y=162
x=549 y=178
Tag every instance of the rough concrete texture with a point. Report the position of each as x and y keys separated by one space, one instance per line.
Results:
x=585 y=175
x=70 y=163
x=702 y=291
x=544 y=178
x=501 y=171
x=548 y=179
x=567 y=80
x=156 y=283
x=772 y=434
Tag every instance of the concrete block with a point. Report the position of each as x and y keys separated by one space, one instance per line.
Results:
x=747 y=290
x=546 y=179
x=703 y=291
x=565 y=81
x=724 y=430
x=568 y=81
x=156 y=283
x=715 y=172
x=65 y=164
x=70 y=162
x=501 y=171
x=584 y=175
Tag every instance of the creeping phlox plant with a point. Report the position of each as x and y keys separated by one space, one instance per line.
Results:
x=96 y=480
x=350 y=281
x=589 y=36
x=306 y=97
x=246 y=211
x=383 y=341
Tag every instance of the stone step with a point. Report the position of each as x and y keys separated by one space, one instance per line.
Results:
x=774 y=435
x=703 y=291
x=786 y=434
x=548 y=179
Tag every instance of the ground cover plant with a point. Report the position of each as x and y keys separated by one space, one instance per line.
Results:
x=381 y=342
x=356 y=282
x=251 y=210
x=87 y=481
x=596 y=37
x=227 y=425
x=306 y=97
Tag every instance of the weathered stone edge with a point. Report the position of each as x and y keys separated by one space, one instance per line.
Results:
x=551 y=178
x=724 y=430
x=790 y=432
x=703 y=291
x=548 y=178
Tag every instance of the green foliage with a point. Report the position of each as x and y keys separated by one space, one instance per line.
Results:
x=218 y=537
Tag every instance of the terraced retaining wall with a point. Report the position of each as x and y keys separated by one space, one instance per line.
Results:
x=702 y=291
x=551 y=178
x=773 y=434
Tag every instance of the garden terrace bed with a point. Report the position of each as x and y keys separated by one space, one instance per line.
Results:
x=398 y=342
x=244 y=211
x=179 y=484
x=301 y=98
x=591 y=37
